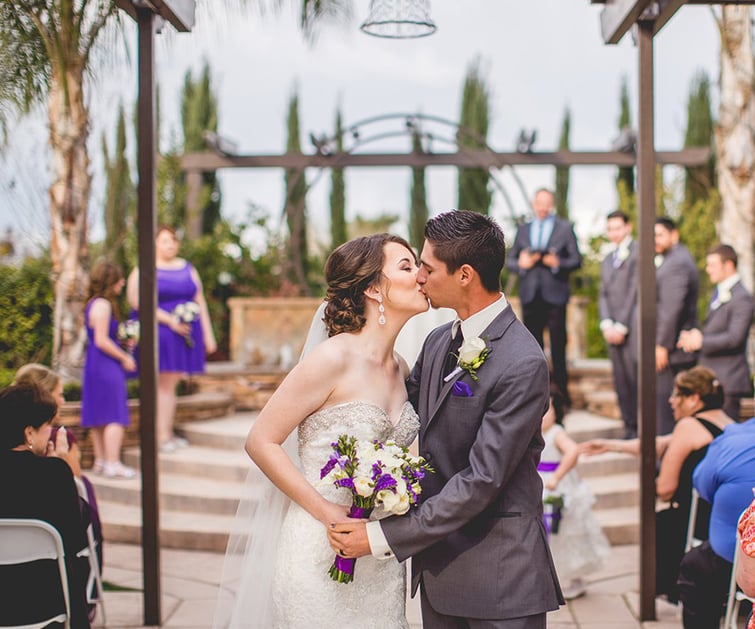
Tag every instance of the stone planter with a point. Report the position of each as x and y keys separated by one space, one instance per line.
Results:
x=269 y=332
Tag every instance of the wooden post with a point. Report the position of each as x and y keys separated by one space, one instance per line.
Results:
x=646 y=165
x=147 y=227
x=193 y=211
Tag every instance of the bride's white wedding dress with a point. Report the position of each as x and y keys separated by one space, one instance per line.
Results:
x=304 y=595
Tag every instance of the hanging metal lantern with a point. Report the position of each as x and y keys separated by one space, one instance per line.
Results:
x=399 y=19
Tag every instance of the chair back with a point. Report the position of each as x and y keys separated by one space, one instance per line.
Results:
x=736 y=596
x=94 y=581
x=692 y=541
x=27 y=540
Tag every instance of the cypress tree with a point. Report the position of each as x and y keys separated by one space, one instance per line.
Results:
x=475 y=107
x=418 y=212
x=338 y=194
x=199 y=113
x=120 y=195
x=700 y=180
x=625 y=178
x=562 y=172
x=295 y=209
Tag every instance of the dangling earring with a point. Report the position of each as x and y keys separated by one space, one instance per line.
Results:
x=381 y=310
x=31 y=447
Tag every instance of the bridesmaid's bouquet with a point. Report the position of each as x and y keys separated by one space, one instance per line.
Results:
x=378 y=474
x=186 y=313
x=128 y=333
x=553 y=507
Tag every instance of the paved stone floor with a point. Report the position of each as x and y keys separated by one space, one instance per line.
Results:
x=189 y=587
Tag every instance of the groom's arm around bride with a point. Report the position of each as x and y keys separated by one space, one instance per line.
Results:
x=477 y=539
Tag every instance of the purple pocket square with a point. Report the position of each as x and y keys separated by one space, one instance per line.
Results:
x=461 y=389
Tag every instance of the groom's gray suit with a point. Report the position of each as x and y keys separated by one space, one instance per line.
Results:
x=477 y=540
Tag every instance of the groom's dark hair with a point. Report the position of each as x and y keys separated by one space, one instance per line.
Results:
x=463 y=237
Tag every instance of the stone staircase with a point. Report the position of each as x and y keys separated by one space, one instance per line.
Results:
x=200 y=485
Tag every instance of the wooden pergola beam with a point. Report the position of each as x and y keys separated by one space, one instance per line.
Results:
x=180 y=13
x=207 y=161
x=618 y=16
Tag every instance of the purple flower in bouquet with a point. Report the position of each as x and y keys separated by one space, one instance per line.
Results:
x=383 y=475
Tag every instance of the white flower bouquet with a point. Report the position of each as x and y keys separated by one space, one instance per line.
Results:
x=186 y=313
x=383 y=475
x=128 y=330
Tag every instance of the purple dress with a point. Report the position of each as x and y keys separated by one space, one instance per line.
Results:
x=174 y=287
x=103 y=386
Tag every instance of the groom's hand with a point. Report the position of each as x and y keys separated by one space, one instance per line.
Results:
x=349 y=539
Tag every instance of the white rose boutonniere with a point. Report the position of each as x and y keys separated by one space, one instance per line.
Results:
x=724 y=296
x=472 y=355
x=622 y=253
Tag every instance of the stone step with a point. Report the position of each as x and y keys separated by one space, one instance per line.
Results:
x=621 y=525
x=188 y=494
x=583 y=426
x=195 y=531
x=613 y=491
x=199 y=461
x=603 y=402
x=608 y=463
x=228 y=433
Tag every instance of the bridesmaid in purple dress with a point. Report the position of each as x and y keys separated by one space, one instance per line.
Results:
x=104 y=403
x=185 y=333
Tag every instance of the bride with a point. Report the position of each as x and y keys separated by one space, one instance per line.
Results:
x=352 y=383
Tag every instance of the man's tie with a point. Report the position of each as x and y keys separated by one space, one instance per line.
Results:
x=616 y=261
x=453 y=353
x=714 y=300
x=537 y=245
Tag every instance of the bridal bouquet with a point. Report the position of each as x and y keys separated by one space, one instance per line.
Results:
x=378 y=474
x=186 y=313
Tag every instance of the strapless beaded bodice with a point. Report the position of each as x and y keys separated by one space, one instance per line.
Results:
x=304 y=595
x=363 y=420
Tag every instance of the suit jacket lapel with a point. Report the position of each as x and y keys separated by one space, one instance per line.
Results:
x=493 y=332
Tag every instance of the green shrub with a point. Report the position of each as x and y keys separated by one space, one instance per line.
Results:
x=26 y=301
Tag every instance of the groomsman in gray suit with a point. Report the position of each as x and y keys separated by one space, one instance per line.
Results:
x=617 y=307
x=677 y=287
x=723 y=339
x=477 y=541
x=544 y=254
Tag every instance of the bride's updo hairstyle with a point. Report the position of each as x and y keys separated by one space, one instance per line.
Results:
x=351 y=269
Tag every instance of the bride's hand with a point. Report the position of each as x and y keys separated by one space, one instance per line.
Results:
x=331 y=512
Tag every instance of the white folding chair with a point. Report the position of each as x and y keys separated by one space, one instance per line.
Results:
x=736 y=596
x=692 y=541
x=90 y=552
x=27 y=540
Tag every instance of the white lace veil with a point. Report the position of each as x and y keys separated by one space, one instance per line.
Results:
x=245 y=593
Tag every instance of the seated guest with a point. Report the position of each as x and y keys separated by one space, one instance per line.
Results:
x=49 y=381
x=39 y=487
x=746 y=555
x=696 y=400
x=724 y=478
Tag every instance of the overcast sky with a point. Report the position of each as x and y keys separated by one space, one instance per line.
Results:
x=538 y=56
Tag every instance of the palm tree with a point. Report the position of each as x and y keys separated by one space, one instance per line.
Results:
x=46 y=47
x=735 y=146
x=46 y=51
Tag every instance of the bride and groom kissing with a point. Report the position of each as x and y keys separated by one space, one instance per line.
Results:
x=477 y=542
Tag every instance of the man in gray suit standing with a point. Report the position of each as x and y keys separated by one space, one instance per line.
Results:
x=477 y=540
x=722 y=342
x=617 y=306
x=544 y=254
x=677 y=286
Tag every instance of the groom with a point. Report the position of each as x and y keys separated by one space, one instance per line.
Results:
x=477 y=540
